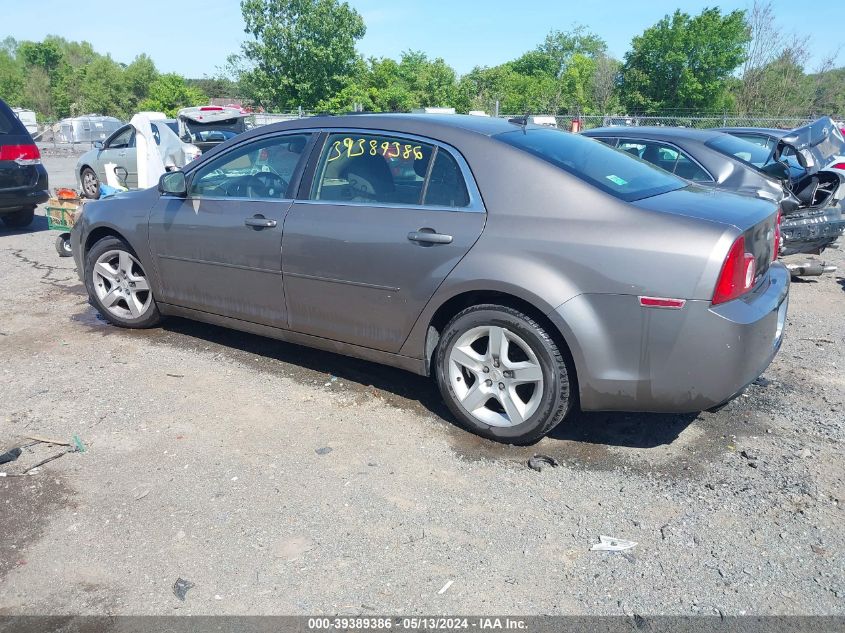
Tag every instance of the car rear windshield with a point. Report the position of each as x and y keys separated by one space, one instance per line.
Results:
x=9 y=123
x=215 y=130
x=739 y=148
x=612 y=171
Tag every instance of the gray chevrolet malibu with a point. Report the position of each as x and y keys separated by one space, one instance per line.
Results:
x=528 y=270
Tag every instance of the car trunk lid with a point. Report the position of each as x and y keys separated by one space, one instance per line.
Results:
x=754 y=217
x=13 y=136
x=818 y=143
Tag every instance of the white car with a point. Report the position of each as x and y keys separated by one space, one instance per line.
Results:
x=119 y=149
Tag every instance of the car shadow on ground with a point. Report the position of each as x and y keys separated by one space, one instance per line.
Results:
x=411 y=392
x=841 y=282
x=39 y=223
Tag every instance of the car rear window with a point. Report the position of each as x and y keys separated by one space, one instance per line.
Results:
x=9 y=123
x=739 y=148
x=614 y=172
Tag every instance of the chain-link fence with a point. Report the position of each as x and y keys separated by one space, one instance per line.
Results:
x=586 y=122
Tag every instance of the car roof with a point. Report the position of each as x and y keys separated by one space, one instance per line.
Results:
x=656 y=133
x=421 y=123
x=771 y=131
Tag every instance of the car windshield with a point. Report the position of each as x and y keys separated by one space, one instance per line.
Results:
x=612 y=171
x=742 y=149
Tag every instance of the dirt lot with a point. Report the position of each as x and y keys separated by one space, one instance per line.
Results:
x=281 y=480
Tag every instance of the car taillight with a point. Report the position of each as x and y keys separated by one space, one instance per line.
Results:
x=776 y=245
x=838 y=166
x=737 y=276
x=21 y=154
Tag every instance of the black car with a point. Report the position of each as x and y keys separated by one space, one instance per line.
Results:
x=23 y=179
x=810 y=197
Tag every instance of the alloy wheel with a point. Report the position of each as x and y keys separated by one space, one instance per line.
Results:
x=121 y=286
x=496 y=376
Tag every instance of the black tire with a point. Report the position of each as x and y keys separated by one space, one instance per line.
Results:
x=90 y=183
x=19 y=219
x=63 y=245
x=557 y=393
x=150 y=318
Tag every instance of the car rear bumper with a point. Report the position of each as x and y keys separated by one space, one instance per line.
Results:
x=13 y=200
x=630 y=358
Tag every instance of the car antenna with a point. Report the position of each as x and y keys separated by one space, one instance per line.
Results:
x=522 y=121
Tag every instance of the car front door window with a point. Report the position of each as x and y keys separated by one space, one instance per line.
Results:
x=126 y=138
x=262 y=170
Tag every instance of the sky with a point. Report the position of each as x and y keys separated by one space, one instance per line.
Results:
x=194 y=37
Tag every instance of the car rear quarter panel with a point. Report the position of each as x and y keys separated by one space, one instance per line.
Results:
x=583 y=258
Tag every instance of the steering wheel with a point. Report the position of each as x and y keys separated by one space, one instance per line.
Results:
x=266 y=184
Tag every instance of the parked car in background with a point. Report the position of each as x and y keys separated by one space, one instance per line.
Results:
x=23 y=179
x=822 y=142
x=524 y=268
x=811 y=200
x=207 y=126
x=119 y=149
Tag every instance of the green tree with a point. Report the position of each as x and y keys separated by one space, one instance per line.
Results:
x=684 y=62
x=138 y=77
x=102 y=90
x=301 y=51
x=215 y=87
x=560 y=75
x=170 y=92
x=11 y=77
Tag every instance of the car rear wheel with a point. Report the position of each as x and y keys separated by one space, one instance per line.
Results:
x=118 y=286
x=502 y=375
x=19 y=219
x=90 y=183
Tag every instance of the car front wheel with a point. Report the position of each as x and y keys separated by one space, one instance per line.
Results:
x=118 y=286
x=90 y=183
x=502 y=375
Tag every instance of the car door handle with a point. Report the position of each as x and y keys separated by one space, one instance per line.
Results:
x=260 y=222
x=428 y=236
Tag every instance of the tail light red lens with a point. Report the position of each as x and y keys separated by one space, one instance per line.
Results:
x=776 y=245
x=21 y=154
x=737 y=276
x=839 y=166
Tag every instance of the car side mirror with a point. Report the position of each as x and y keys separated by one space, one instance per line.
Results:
x=98 y=145
x=776 y=169
x=173 y=183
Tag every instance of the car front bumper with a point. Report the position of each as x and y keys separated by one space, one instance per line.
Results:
x=630 y=358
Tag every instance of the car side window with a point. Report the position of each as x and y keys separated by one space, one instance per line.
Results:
x=633 y=148
x=607 y=140
x=758 y=139
x=124 y=139
x=686 y=167
x=666 y=157
x=260 y=170
x=446 y=186
x=371 y=168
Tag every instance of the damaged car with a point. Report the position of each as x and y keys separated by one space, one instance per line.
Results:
x=207 y=126
x=793 y=172
x=527 y=270
x=120 y=151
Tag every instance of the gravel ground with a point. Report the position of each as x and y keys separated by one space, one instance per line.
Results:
x=281 y=480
